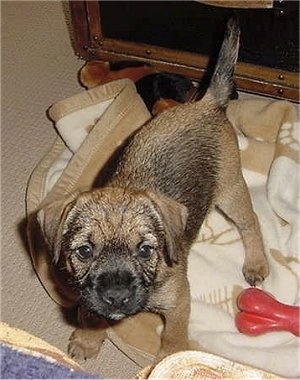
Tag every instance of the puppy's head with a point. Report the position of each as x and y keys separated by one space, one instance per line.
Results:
x=113 y=245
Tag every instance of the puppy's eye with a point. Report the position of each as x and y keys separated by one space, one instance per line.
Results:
x=85 y=252
x=145 y=250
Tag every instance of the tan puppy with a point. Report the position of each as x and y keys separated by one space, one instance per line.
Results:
x=123 y=247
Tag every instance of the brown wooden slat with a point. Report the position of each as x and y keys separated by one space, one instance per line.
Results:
x=80 y=26
x=239 y=3
x=257 y=85
x=93 y=15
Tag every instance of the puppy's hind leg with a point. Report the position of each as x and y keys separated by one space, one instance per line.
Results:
x=235 y=203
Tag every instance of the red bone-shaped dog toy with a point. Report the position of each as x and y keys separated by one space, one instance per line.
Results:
x=261 y=312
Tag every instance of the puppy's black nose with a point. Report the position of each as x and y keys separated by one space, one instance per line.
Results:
x=116 y=297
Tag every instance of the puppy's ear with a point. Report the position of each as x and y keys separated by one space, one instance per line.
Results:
x=174 y=216
x=51 y=219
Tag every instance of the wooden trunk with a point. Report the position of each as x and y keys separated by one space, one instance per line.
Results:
x=184 y=37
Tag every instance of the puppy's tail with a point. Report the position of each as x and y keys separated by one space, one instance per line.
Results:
x=221 y=84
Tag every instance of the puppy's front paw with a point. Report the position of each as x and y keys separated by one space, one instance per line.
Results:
x=256 y=272
x=85 y=343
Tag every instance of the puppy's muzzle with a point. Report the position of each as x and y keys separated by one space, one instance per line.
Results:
x=117 y=296
x=114 y=294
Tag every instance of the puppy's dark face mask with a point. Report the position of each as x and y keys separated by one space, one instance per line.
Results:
x=113 y=245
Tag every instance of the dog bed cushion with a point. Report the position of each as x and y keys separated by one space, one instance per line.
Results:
x=24 y=356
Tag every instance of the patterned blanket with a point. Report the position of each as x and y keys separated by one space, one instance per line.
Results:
x=268 y=133
x=92 y=123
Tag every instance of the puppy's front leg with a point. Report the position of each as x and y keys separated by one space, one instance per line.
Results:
x=85 y=342
x=175 y=333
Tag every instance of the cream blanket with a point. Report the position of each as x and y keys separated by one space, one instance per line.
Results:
x=268 y=133
x=92 y=123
